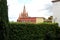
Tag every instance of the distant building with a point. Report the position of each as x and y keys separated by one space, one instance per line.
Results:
x=23 y=17
x=56 y=11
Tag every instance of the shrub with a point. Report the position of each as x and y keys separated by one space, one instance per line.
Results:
x=18 y=31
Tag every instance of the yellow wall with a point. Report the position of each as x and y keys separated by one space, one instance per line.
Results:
x=39 y=20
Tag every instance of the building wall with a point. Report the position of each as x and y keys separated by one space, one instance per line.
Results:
x=39 y=20
x=31 y=20
x=28 y=20
x=56 y=12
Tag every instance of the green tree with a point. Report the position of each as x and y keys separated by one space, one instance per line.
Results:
x=3 y=19
x=58 y=33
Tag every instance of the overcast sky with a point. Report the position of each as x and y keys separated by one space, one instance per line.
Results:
x=35 y=8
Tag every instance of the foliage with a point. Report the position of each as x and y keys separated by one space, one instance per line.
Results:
x=18 y=31
x=3 y=19
x=58 y=33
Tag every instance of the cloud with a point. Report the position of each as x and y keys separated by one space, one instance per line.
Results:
x=13 y=9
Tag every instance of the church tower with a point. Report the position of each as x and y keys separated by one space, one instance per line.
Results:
x=24 y=14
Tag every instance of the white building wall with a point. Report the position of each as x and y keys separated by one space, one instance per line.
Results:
x=56 y=12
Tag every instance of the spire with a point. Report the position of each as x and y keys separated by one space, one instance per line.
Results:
x=24 y=10
x=24 y=14
x=24 y=6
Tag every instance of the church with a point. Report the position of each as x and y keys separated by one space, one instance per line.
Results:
x=24 y=18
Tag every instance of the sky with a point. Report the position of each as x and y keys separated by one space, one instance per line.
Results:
x=35 y=8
